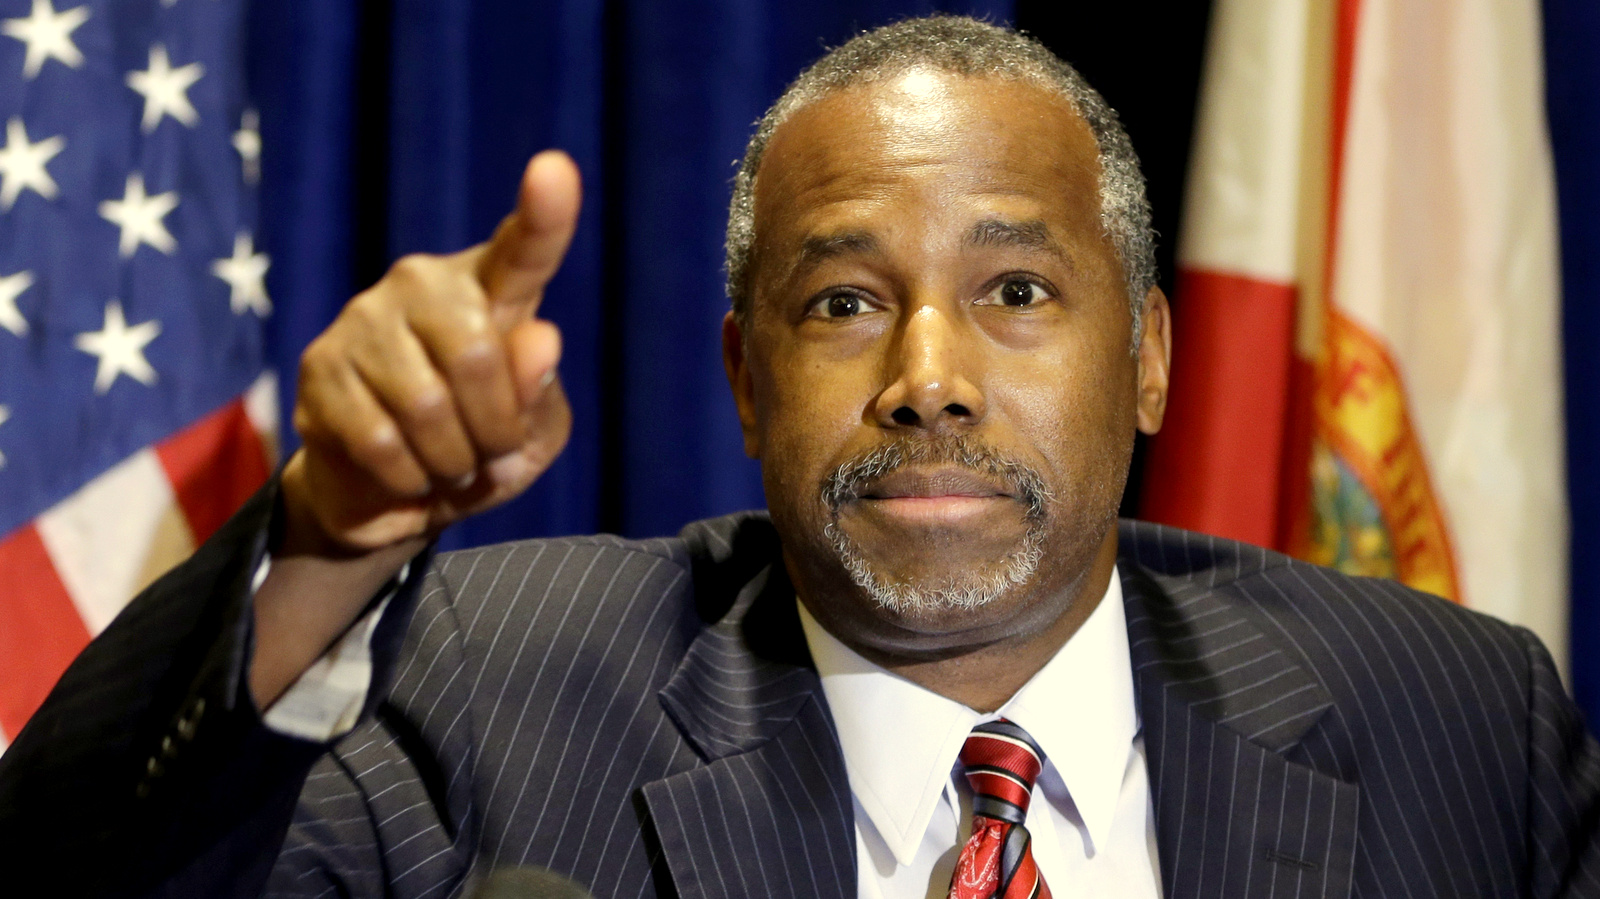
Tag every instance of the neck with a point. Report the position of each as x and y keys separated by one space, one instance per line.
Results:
x=988 y=670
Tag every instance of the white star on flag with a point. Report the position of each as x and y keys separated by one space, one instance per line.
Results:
x=48 y=35
x=119 y=348
x=246 y=274
x=11 y=287
x=165 y=89
x=22 y=164
x=130 y=153
x=247 y=140
x=139 y=216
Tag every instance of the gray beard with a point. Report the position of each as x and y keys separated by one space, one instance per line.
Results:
x=965 y=592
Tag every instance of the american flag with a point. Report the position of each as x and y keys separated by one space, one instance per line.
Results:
x=135 y=414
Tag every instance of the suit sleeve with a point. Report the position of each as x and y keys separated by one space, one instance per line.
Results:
x=1563 y=789
x=148 y=770
x=381 y=815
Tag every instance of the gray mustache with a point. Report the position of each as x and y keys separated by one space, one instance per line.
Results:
x=847 y=482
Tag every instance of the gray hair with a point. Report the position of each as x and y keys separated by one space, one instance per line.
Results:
x=967 y=47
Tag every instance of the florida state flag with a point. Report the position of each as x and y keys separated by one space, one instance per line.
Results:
x=1367 y=363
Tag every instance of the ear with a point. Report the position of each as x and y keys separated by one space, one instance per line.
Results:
x=737 y=365
x=1155 y=360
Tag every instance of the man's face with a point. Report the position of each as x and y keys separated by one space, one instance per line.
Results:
x=937 y=375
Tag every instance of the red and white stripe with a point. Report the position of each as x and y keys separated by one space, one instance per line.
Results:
x=70 y=571
x=1018 y=767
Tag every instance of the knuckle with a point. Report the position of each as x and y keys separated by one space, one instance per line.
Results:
x=414 y=268
x=364 y=312
x=306 y=424
x=300 y=415
x=476 y=360
x=314 y=361
x=378 y=446
x=411 y=278
x=428 y=405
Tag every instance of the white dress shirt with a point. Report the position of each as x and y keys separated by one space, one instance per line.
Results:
x=1091 y=818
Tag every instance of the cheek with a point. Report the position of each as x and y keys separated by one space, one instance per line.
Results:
x=795 y=391
x=1077 y=406
x=807 y=410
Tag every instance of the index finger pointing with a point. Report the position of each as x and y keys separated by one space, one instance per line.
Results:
x=527 y=248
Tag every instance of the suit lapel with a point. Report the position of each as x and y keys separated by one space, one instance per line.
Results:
x=769 y=814
x=1222 y=705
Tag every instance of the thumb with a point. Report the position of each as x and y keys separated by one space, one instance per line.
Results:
x=527 y=247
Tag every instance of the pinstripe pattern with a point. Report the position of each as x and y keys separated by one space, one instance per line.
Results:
x=1307 y=735
x=1310 y=734
x=451 y=777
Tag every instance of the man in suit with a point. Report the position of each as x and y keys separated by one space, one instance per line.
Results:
x=944 y=335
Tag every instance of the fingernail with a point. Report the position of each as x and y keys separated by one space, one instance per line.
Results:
x=548 y=379
x=509 y=468
x=466 y=480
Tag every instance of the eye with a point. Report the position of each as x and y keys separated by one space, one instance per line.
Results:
x=839 y=305
x=1017 y=293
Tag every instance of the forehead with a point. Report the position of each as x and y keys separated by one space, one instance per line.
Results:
x=976 y=146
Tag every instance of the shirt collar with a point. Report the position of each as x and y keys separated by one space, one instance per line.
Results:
x=901 y=741
x=1080 y=709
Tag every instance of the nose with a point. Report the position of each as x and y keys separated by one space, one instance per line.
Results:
x=931 y=375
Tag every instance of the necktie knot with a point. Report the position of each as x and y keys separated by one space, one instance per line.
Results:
x=1001 y=763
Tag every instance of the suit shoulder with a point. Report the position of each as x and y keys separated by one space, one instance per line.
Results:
x=1175 y=552
x=532 y=551
x=1371 y=630
x=713 y=556
x=537 y=586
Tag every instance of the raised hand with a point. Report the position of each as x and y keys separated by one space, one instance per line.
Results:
x=433 y=396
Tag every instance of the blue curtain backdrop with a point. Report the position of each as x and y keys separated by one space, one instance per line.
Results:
x=1572 y=62
x=398 y=126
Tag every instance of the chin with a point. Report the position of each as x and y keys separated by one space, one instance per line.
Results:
x=943 y=587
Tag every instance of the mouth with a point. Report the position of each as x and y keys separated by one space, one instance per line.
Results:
x=939 y=496
x=934 y=482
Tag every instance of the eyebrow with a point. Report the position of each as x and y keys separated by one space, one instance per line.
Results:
x=1032 y=235
x=816 y=250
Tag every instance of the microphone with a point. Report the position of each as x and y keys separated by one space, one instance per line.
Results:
x=528 y=882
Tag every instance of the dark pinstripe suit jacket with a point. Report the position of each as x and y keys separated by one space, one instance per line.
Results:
x=643 y=717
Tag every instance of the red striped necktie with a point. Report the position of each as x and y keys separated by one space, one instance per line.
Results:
x=1001 y=762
